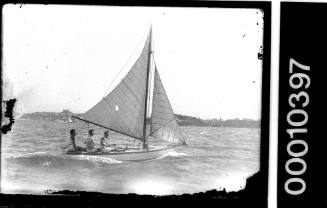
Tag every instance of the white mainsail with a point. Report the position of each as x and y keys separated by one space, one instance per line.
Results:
x=163 y=122
x=123 y=109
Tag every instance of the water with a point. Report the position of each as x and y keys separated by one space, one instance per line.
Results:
x=214 y=158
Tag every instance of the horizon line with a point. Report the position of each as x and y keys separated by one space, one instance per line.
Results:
x=174 y=114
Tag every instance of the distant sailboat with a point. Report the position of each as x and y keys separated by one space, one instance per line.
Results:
x=221 y=123
x=125 y=111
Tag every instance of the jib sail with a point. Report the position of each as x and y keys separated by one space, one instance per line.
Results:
x=163 y=122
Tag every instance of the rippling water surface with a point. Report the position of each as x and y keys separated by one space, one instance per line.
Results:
x=214 y=158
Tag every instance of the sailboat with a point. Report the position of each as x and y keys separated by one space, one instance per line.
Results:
x=126 y=108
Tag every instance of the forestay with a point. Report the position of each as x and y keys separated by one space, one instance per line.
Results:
x=163 y=121
x=123 y=109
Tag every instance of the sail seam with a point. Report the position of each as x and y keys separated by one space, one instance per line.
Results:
x=161 y=112
x=163 y=126
x=169 y=130
x=130 y=111
x=123 y=108
x=111 y=107
x=137 y=90
x=175 y=126
x=140 y=74
x=164 y=91
x=107 y=128
x=117 y=100
x=133 y=94
x=160 y=118
x=108 y=107
x=126 y=114
x=129 y=100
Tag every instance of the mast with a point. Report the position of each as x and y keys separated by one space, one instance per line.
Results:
x=145 y=142
x=221 y=122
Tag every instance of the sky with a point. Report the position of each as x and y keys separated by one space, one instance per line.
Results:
x=59 y=57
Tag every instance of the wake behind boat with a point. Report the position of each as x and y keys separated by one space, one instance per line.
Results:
x=126 y=108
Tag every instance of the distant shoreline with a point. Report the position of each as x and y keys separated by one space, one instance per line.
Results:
x=182 y=120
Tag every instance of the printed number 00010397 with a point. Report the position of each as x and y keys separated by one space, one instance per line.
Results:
x=298 y=101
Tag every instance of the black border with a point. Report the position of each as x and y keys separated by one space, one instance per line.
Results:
x=256 y=191
x=303 y=37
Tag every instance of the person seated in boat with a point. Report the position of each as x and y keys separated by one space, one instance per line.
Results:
x=145 y=146
x=103 y=145
x=90 y=145
x=182 y=142
x=72 y=143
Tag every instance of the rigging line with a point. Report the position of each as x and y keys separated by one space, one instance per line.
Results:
x=123 y=67
x=120 y=89
x=84 y=125
x=108 y=128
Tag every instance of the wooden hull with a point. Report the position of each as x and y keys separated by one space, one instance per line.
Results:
x=131 y=155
